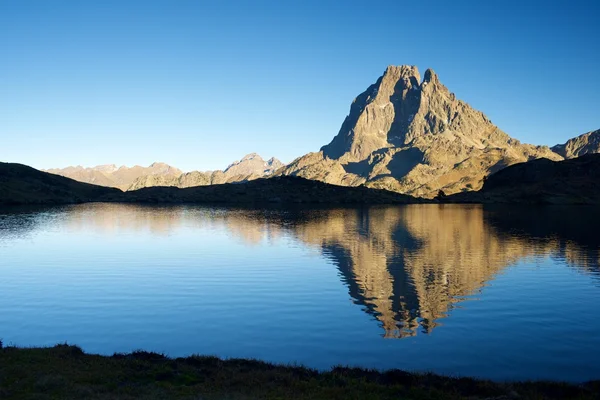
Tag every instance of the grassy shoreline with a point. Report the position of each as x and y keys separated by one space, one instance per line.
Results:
x=66 y=372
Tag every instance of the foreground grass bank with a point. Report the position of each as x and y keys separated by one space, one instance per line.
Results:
x=66 y=372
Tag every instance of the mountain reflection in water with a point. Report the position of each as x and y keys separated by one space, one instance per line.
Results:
x=406 y=266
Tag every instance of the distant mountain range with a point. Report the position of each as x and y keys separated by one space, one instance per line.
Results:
x=250 y=167
x=404 y=134
x=24 y=185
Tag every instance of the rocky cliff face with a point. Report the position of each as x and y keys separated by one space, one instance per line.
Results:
x=588 y=143
x=250 y=167
x=413 y=136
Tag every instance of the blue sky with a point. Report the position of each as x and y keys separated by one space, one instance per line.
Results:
x=198 y=84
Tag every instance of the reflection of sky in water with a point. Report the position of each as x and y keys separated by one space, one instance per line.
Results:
x=456 y=289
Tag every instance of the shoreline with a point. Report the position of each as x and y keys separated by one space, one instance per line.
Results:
x=66 y=372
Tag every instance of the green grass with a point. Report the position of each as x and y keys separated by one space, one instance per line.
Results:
x=66 y=372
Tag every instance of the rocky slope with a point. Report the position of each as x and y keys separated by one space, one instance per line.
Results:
x=414 y=136
x=588 y=143
x=20 y=184
x=250 y=167
x=572 y=181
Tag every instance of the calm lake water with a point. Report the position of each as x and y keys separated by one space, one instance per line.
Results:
x=462 y=290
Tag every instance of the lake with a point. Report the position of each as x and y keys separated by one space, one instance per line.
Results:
x=501 y=293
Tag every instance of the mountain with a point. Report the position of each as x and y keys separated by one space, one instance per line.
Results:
x=253 y=164
x=20 y=184
x=95 y=175
x=110 y=175
x=571 y=181
x=414 y=136
x=250 y=167
x=588 y=143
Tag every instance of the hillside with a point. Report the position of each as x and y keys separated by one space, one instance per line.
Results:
x=414 y=136
x=275 y=190
x=543 y=181
x=20 y=184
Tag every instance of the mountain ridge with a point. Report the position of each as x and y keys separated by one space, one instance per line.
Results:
x=587 y=143
x=251 y=166
x=541 y=181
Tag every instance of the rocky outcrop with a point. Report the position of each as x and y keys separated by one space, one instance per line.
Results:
x=588 y=143
x=414 y=136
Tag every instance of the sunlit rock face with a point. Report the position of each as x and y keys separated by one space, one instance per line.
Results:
x=414 y=136
x=588 y=143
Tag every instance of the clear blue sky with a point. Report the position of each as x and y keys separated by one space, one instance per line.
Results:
x=198 y=84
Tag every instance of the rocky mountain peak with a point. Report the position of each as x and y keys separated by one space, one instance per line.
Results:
x=415 y=137
x=379 y=117
x=396 y=72
x=253 y=165
x=587 y=143
x=273 y=162
x=251 y=156
x=430 y=77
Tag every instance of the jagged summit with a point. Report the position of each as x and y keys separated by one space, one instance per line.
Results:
x=250 y=156
x=253 y=164
x=387 y=113
x=414 y=136
x=588 y=143
x=430 y=76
